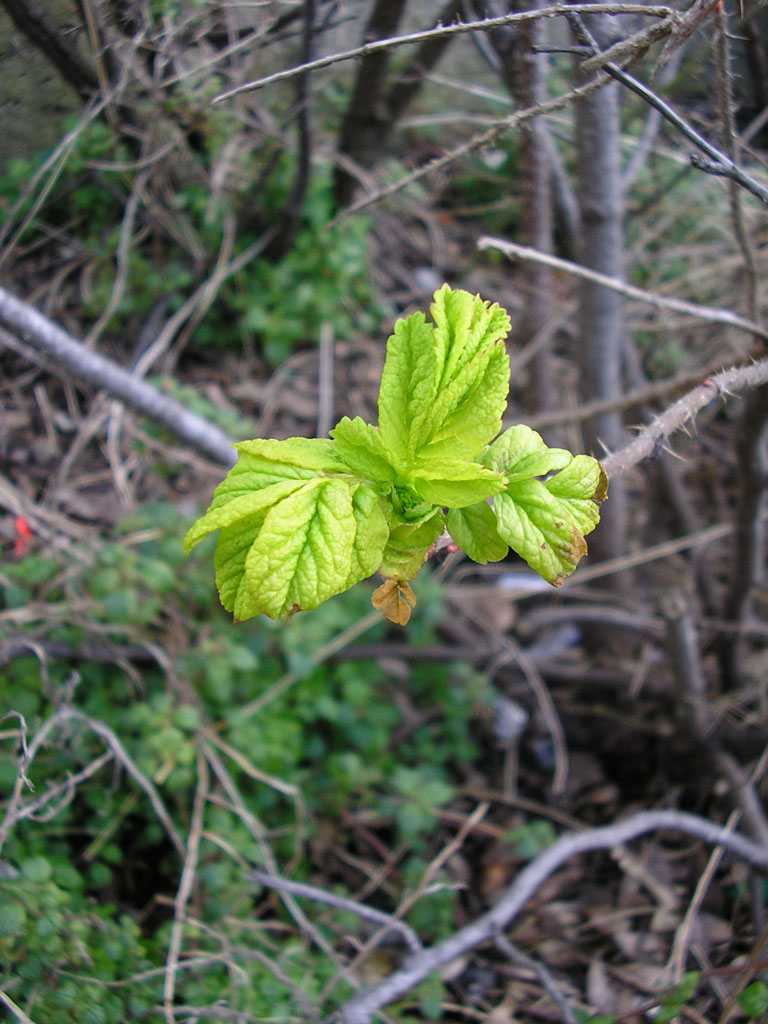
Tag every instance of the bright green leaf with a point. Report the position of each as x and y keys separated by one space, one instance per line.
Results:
x=312 y=453
x=474 y=529
x=538 y=527
x=243 y=507
x=408 y=546
x=581 y=488
x=371 y=534
x=472 y=375
x=362 y=449
x=467 y=414
x=521 y=453
x=545 y=521
x=232 y=549
x=454 y=483
x=302 y=555
x=754 y=1000
x=445 y=386
x=408 y=384
x=464 y=326
x=302 y=519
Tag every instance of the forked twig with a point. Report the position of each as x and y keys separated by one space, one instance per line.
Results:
x=361 y=1007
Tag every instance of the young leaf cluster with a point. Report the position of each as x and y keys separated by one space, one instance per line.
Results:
x=303 y=519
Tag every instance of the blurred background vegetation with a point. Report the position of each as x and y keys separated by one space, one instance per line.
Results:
x=216 y=247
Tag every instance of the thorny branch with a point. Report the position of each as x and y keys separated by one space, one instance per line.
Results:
x=477 y=142
x=456 y=28
x=650 y=439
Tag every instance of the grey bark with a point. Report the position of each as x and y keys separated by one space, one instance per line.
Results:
x=602 y=327
x=523 y=71
x=39 y=339
x=366 y=112
x=45 y=35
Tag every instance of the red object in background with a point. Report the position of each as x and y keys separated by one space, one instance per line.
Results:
x=23 y=535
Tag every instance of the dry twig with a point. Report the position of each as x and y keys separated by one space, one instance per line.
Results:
x=361 y=1007
x=705 y=313
x=386 y=922
x=185 y=886
x=456 y=28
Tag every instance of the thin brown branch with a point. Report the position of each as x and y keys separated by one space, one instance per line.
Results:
x=714 y=160
x=457 y=28
x=185 y=886
x=548 y=983
x=386 y=922
x=41 y=809
x=15 y=810
x=705 y=313
x=477 y=142
x=124 y=758
x=257 y=830
x=361 y=1007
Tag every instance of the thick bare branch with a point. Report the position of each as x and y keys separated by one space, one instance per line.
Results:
x=46 y=36
x=37 y=337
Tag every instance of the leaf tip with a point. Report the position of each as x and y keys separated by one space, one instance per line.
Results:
x=601 y=491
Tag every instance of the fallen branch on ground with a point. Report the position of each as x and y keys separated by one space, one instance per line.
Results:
x=40 y=340
x=361 y=1007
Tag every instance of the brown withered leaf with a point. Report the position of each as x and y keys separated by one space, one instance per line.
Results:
x=394 y=599
x=601 y=491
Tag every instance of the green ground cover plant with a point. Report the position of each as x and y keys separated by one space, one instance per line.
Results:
x=86 y=890
x=303 y=519
x=325 y=271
